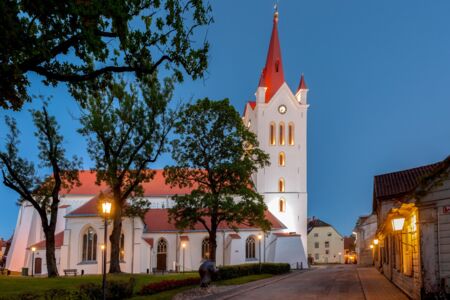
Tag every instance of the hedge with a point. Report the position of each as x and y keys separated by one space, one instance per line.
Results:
x=166 y=285
x=234 y=271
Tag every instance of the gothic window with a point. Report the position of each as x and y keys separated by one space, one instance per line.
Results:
x=282 y=159
x=122 y=247
x=162 y=246
x=291 y=140
x=250 y=248
x=89 y=245
x=205 y=248
x=281 y=133
x=272 y=134
x=281 y=185
x=282 y=204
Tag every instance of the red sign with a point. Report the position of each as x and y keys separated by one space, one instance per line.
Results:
x=446 y=209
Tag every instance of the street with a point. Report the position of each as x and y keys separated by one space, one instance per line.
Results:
x=327 y=282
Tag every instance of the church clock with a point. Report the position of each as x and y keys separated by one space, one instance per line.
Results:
x=282 y=109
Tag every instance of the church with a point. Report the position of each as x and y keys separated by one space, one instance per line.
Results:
x=278 y=117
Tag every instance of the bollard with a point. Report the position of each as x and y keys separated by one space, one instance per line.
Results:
x=301 y=266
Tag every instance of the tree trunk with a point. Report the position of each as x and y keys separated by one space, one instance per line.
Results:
x=114 y=266
x=212 y=245
x=52 y=269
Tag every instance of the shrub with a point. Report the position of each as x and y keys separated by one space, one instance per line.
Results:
x=115 y=290
x=233 y=271
x=166 y=285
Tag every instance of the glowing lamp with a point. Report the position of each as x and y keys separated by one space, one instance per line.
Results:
x=375 y=241
x=397 y=223
x=183 y=245
x=33 y=249
x=371 y=246
x=106 y=207
x=102 y=247
x=259 y=236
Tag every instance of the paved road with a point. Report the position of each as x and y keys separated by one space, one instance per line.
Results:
x=327 y=282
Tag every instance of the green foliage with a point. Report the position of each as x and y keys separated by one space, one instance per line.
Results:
x=216 y=155
x=234 y=271
x=84 y=42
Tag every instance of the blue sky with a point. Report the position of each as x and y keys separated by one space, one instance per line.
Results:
x=378 y=73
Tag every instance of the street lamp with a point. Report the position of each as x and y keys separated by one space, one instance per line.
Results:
x=33 y=249
x=259 y=242
x=375 y=241
x=183 y=245
x=106 y=209
x=397 y=223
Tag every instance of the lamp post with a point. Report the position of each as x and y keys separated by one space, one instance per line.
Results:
x=33 y=249
x=183 y=245
x=259 y=242
x=106 y=209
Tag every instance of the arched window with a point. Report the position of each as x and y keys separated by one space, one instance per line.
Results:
x=250 y=248
x=162 y=246
x=282 y=205
x=282 y=159
x=281 y=185
x=122 y=247
x=281 y=133
x=89 y=252
x=272 y=139
x=205 y=248
x=291 y=139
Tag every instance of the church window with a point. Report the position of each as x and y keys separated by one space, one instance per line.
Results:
x=282 y=159
x=281 y=133
x=291 y=140
x=281 y=185
x=272 y=134
x=250 y=248
x=122 y=247
x=282 y=204
x=89 y=252
x=162 y=246
x=205 y=248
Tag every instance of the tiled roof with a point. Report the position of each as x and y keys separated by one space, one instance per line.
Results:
x=157 y=220
x=302 y=85
x=149 y=241
x=234 y=236
x=397 y=184
x=59 y=239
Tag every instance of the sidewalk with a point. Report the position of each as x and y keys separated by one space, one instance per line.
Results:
x=378 y=287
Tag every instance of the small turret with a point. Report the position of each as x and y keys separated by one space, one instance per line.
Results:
x=302 y=91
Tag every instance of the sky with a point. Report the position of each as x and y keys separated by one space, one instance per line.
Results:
x=378 y=74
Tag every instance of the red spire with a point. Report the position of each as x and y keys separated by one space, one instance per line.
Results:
x=302 y=85
x=273 y=75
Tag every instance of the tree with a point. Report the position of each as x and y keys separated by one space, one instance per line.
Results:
x=127 y=126
x=83 y=42
x=42 y=192
x=216 y=155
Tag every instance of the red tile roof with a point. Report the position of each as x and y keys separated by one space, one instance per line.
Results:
x=149 y=241
x=234 y=236
x=157 y=220
x=184 y=238
x=59 y=240
x=302 y=85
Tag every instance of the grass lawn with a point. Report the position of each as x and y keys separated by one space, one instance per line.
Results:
x=15 y=285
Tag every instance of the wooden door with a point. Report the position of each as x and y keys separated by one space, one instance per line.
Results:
x=161 y=262
x=37 y=265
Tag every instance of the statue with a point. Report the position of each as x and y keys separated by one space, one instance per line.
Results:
x=207 y=271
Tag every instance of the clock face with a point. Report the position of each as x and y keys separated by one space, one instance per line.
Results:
x=282 y=109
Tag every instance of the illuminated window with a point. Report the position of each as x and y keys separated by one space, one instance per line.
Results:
x=291 y=134
x=272 y=134
x=250 y=248
x=281 y=133
x=89 y=245
x=282 y=204
x=281 y=185
x=282 y=159
x=122 y=247
x=205 y=248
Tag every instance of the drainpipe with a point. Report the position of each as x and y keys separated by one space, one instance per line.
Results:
x=132 y=247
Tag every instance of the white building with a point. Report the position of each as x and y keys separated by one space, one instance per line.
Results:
x=365 y=229
x=325 y=244
x=278 y=117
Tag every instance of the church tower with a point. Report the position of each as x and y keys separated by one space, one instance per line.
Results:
x=279 y=118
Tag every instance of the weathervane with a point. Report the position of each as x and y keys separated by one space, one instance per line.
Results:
x=275 y=7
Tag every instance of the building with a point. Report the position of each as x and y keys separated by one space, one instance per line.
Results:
x=365 y=229
x=325 y=244
x=413 y=211
x=278 y=117
x=349 y=250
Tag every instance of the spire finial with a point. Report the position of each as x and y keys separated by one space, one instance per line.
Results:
x=275 y=15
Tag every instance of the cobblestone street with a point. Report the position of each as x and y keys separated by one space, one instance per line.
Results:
x=324 y=282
